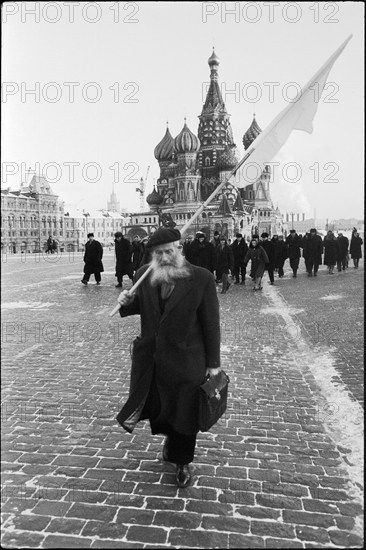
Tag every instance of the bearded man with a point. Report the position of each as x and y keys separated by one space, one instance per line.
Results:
x=179 y=345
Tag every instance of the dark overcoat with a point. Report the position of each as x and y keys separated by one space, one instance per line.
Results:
x=93 y=257
x=123 y=250
x=342 y=248
x=138 y=250
x=293 y=246
x=177 y=345
x=259 y=259
x=269 y=247
x=331 y=251
x=313 y=249
x=224 y=260
x=280 y=252
x=202 y=255
x=355 y=248
x=239 y=252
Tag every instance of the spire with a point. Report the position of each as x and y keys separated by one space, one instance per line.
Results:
x=224 y=207
x=214 y=97
x=238 y=204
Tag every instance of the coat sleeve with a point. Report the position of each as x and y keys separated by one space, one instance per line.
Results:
x=132 y=309
x=264 y=255
x=209 y=317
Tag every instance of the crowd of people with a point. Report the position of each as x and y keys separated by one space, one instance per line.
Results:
x=223 y=258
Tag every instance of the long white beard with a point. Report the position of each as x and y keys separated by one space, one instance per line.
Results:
x=178 y=269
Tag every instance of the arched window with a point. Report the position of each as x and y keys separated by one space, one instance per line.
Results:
x=207 y=161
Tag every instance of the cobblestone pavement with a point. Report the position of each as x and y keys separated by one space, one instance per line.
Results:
x=281 y=469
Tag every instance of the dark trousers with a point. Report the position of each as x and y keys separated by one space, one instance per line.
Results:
x=280 y=268
x=97 y=276
x=341 y=264
x=270 y=269
x=294 y=264
x=312 y=264
x=180 y=447
x=239 y=270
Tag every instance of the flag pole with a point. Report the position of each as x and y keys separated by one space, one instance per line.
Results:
x=187 y=225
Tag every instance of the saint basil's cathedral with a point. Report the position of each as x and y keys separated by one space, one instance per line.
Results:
x=191 y=167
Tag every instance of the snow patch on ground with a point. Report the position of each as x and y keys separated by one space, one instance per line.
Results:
x=24 y=305
x=343 y=417
x=332 y=297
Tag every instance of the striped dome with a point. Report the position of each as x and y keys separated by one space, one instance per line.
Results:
x=164 y=149
x=186 y=141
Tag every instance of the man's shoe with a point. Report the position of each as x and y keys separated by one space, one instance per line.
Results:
x=119 y=285
x=237 y=283
x=223 y=291
x=242 y=283
x=98 y=283
x=84 y=282
x=183 y=475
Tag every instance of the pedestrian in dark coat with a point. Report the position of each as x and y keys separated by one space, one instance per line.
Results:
x=258 y=256
x=179 y=345
x=239 y=248
x=280 y=253
x=313 y=250
x=201 y=252
x=138 y=249
x=49 y=245
x=342 y=252
x=224 y=264
x=331 y=251
x=294 y=243
x=270 y=250
x=355 y=248
x=216 y=244
x=187 y=243
x=93 y=260
x=123 y=251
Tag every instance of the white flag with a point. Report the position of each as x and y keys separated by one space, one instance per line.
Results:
x=298 y=115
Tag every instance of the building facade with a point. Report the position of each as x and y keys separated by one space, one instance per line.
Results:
x=29 y=216
x=192 y=167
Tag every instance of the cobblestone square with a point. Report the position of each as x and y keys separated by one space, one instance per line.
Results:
x=281 y=469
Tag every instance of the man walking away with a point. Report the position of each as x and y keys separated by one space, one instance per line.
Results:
x=355 y=248
x=270 y=250
x=216 y=244
x=225 y=263
x=239 y=248
x=280 y=254
x=178 y=347
x=294 y=243
x=313 y=250
x=138 y=249
x=123 y=250
x=342 y=253
x=93 y=260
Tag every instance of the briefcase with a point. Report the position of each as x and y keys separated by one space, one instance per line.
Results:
x=212 y=400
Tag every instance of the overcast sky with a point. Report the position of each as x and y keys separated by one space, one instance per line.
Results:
x=106 y=77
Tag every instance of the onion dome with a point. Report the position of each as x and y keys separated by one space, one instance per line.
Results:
x=154 y=199
x=229 y=158
x=186 y=141
x=213 y=60
x=164 y=149
x=252 y=132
